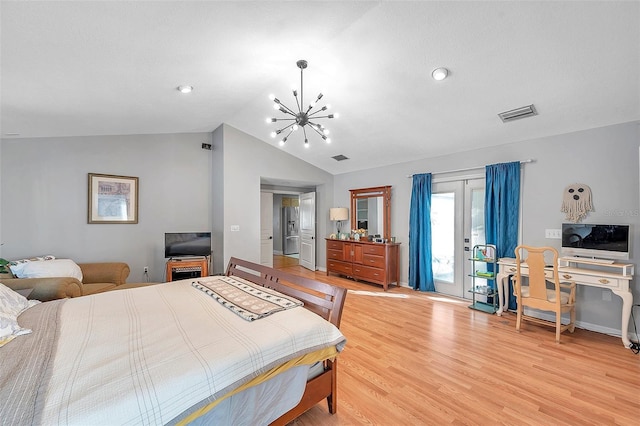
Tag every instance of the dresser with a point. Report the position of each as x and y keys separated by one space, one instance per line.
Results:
x=377 y=263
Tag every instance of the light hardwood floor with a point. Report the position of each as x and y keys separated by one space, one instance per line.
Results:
x=423 y=359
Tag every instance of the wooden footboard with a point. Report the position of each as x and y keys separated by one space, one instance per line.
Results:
x=323 y=299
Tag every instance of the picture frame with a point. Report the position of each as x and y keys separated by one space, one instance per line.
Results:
x=112 y=199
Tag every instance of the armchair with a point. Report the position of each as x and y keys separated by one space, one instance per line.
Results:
x=96 y=278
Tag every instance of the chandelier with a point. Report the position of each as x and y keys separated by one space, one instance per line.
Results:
x=304 y=117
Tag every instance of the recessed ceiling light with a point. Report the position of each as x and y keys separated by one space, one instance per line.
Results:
x=185 y=89
x=440 y=74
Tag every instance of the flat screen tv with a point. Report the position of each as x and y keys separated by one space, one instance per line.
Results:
x=180 y=244
x=596 y=241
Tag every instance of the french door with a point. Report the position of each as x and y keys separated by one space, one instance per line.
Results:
x=457 y=224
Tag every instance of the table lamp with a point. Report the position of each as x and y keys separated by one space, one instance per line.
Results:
x=338 y=214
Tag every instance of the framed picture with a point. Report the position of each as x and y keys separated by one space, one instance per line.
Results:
x=113 y=199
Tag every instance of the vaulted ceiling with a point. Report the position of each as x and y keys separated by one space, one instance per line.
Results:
x=109 y=68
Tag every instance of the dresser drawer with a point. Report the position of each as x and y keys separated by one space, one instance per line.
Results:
x=375 y=261
x=339 y=267
x=334 y=245
x=373 y=249
x=334 y=254
x=375 y=275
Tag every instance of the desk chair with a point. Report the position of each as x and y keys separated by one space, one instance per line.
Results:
x=543 y=289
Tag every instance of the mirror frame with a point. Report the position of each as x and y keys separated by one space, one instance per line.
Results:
x=376 y=191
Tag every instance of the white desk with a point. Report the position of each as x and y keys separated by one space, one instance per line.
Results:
x=616 y=277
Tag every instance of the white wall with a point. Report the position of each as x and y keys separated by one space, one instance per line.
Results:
x=246 y=160
x=605 y=158
x=44 y=196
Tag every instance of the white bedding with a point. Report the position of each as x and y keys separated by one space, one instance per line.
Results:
x=153 y=354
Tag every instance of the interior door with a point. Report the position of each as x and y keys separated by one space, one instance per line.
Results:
x=266 y=229
x=308 y=230
x=457 y=223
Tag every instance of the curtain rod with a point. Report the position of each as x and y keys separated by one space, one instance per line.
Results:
x=470 y=168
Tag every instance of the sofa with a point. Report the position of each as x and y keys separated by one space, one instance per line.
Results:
x=96 y=278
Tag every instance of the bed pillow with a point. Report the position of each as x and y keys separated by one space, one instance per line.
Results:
x=10 y=329
x=51 y=268
x=13 y=303
x=16 y=266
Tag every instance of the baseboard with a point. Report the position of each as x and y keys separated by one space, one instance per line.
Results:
x=580 y=324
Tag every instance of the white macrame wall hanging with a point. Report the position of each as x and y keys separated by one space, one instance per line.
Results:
x=576 y=202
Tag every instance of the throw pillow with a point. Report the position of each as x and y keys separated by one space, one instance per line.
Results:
x=51 y=268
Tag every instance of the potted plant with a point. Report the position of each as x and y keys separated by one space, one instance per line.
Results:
x=4 y=266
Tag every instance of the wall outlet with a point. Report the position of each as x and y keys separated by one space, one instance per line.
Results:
x=555 y=234
x=146 y=269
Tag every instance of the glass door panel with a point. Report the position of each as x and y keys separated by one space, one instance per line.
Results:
x=443 y=235
x=457 y=223
x=474 y=229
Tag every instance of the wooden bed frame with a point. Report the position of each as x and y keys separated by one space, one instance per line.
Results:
x=323 y=299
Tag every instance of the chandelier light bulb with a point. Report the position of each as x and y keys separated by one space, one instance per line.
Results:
x=281 y=143
x=295 y=127
x=273 y=134
x=272 y=96
x=325 y=131
x=328 y=140
x=276 y=106
x=306 y=143
x=269 y=120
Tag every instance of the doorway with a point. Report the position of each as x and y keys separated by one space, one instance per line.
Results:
x=457 y=223
x=286 y=230
x=289 y=227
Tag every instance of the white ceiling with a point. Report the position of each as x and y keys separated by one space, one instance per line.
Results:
x=110 y=68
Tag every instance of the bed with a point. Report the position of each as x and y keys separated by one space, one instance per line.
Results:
x=255 y=346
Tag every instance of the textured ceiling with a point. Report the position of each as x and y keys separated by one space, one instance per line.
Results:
x=110 y=68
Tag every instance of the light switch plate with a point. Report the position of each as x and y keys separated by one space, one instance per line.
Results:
x=553 y=233
x=235 y=228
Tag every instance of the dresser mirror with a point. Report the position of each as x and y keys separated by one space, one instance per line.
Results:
x=371 y=210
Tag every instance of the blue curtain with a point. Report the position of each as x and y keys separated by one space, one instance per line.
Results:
x=502 y=209
x=420 y=267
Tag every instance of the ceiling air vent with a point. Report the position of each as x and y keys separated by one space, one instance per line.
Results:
x=518 y=113
x=340 y=157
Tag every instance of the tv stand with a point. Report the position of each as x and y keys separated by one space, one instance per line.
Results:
x=583 y=271
x=186 y=268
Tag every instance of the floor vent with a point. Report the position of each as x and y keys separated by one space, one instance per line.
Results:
x=340 y=157
x=518 y=113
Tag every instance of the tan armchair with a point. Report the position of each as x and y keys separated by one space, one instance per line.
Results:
x=543 y=290
x=96 y=278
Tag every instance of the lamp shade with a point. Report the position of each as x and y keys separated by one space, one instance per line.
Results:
x=338 y=213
